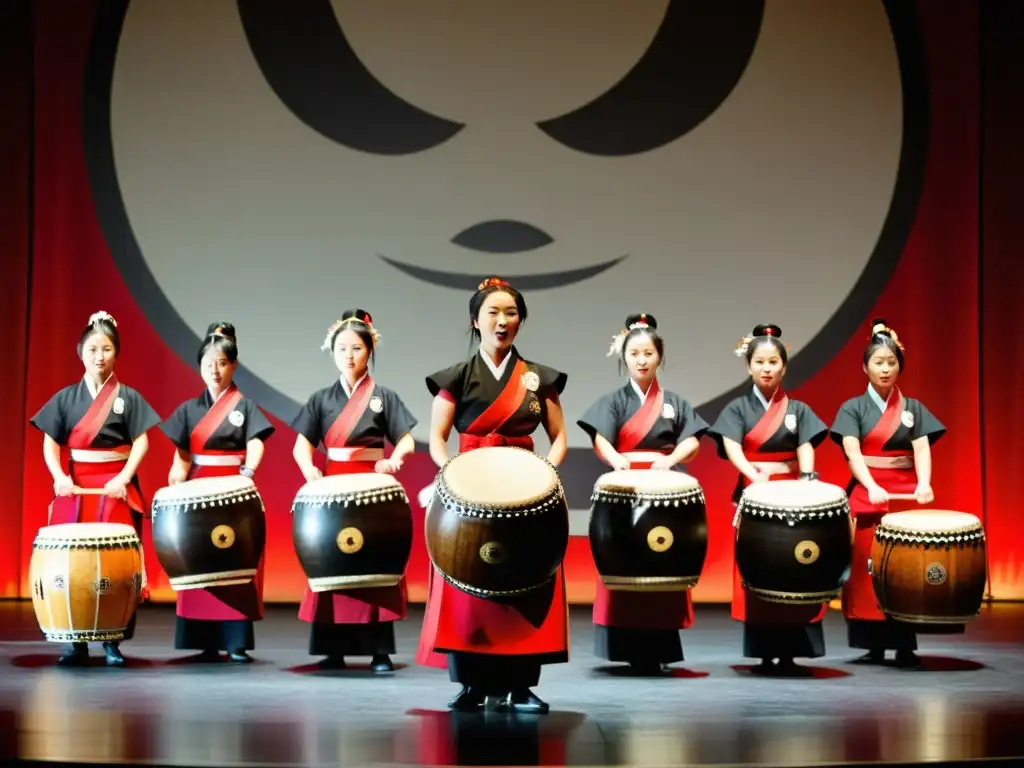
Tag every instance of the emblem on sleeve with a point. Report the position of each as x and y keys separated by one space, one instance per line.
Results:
x=531 y=381
x=791 y=422
x=118 y=405
x=534 y=406
x=237 y=418
x=908 y=419
x=668 y=412
x=376 y=404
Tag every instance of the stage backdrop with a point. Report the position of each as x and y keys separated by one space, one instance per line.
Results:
x=714 y=164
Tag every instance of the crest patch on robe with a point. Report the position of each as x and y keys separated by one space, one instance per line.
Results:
x=376 y=404
x=668 y=412
x=236 y=418
x=531 y=381
x=118 y=405
x=908 y=419
x=791 y=422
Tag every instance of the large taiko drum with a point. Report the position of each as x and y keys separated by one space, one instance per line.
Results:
x=86 y=579
x=928 y=567
x=794 y=541
x=209 y=532
x=498 y=524
x=648 y=530
x=352 y=531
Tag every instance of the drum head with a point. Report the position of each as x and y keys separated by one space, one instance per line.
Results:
x=499 y=476
x=641 y=481
x=343 y=485
x=203 y=488
x=931 y=521
x=86 y=532
x=794 y=494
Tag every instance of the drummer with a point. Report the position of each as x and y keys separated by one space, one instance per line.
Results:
x=220 y=433
x=642 y=426
x=103 y=423
x=887 y=440
x=495 y=398
x=353 y=417
x=768 y=436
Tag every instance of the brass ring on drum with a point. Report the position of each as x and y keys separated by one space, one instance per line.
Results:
x=350 y=540
x=660 y=538
x=493 y=553
x=223 y=536
x=807 y=552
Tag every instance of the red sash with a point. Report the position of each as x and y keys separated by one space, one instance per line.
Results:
x=641 y=422
x=340 y=431
x=768 y=424
x=213 y=419
x=85 y=431
x=504 y=405
x=886 y=427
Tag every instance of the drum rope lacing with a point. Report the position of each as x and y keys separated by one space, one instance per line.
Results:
x=453 y=502
x=357 y=498
x=659 y=499
x=95 y=542
x=962 y=536
x=185 y=503
x=492 y=592
x=794 y=515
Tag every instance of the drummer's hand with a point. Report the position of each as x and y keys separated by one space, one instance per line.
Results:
x=63 y=486
x=620 y=462
x=177 y=476
x=924 y=494
x=314 y=473
x=387 y=466
x=116 y=487
x=662 y=463
x=878 y=495
x=761 y=477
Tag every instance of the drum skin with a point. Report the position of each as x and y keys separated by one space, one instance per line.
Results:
x=85 y=584
x=649 y=542
x=928 y=579
x=207 y=538
x=792 y=554
x=497 y=550
x=352 y=540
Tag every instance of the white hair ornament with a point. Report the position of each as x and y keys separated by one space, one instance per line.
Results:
x=336 y=327
x=619 y=339
x=96 y=317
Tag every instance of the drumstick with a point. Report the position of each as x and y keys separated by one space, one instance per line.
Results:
x=902 y=497
x=77 y=491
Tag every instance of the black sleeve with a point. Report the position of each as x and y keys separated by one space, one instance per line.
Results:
x=925 y=424
x=688 y=421
x=257 y=425
x=602 y=418
x=728 y=424
x=50 y=418
x=307 y=420
x=846 y=423
x=451 y=380
x=139 y=415
x=552 y=382
x=809 y=428
x=400 y=420
x=177 y=428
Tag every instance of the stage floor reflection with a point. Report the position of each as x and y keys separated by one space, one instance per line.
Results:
x=968 y=704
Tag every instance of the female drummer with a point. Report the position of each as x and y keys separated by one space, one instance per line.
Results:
x=220 y=433
x=887 y=440
x=353 y=417
x=494 y=398
x=103 y=423
x=642 y=426
x=767 y=436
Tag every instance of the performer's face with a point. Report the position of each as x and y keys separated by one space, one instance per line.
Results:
x=498 y=322
x=883 y=369
x=98 y=356
x=642 y=359
x=351 y=354
x=217 y=370
x=767 y=368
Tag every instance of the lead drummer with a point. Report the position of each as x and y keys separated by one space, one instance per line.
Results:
x=353 y=417
x=768 y=436
x=495 y=398
x=887 y=440
x=103 y=423
x=642 y=426
x=218 y=434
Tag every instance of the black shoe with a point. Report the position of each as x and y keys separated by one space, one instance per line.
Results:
x=332 y=662
x=240 y=657
x=645 y=668
x=208 y=655
x=381 y=665
x=114 y=657
x=766 y=667
x=77 y=656
x=786 y=666
x=467 y=700
x=874 y=656
x=525 y=700
x=908 y=660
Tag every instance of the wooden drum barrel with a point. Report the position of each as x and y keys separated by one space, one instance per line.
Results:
x=794 y=541
x=648 y=530
x=352 y=531
x=498 y=524
x=86 y=579
x=209 y=532
x=928 y=567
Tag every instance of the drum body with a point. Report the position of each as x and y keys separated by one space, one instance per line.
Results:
x=498 y=524
x=648 y=530
x=352 y=531
x=209 y=532
x=794 y=541
x=86 y=579
x=928 y=567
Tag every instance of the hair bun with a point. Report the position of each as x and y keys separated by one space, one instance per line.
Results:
x=222 y=329
x=640 y=320
x=493 y=282
x=357 y=314
x=879 y=326
x=767 y=329
x=102 y=316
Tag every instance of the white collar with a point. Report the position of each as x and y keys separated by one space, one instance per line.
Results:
x=497 y=370
x=344 y=384
x=877 y=398
x=640 y=393
x=760 y=396
x=222 y=392
x=88 y=385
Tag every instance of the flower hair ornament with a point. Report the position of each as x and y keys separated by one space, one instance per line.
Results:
x=769 y=331
x=885 y=330
x=620 y=338
x=96 y=317
x=742 y=346
x=493 y=282
x=337 y=325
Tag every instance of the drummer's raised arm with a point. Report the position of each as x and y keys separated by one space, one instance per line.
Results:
x=442 y=416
